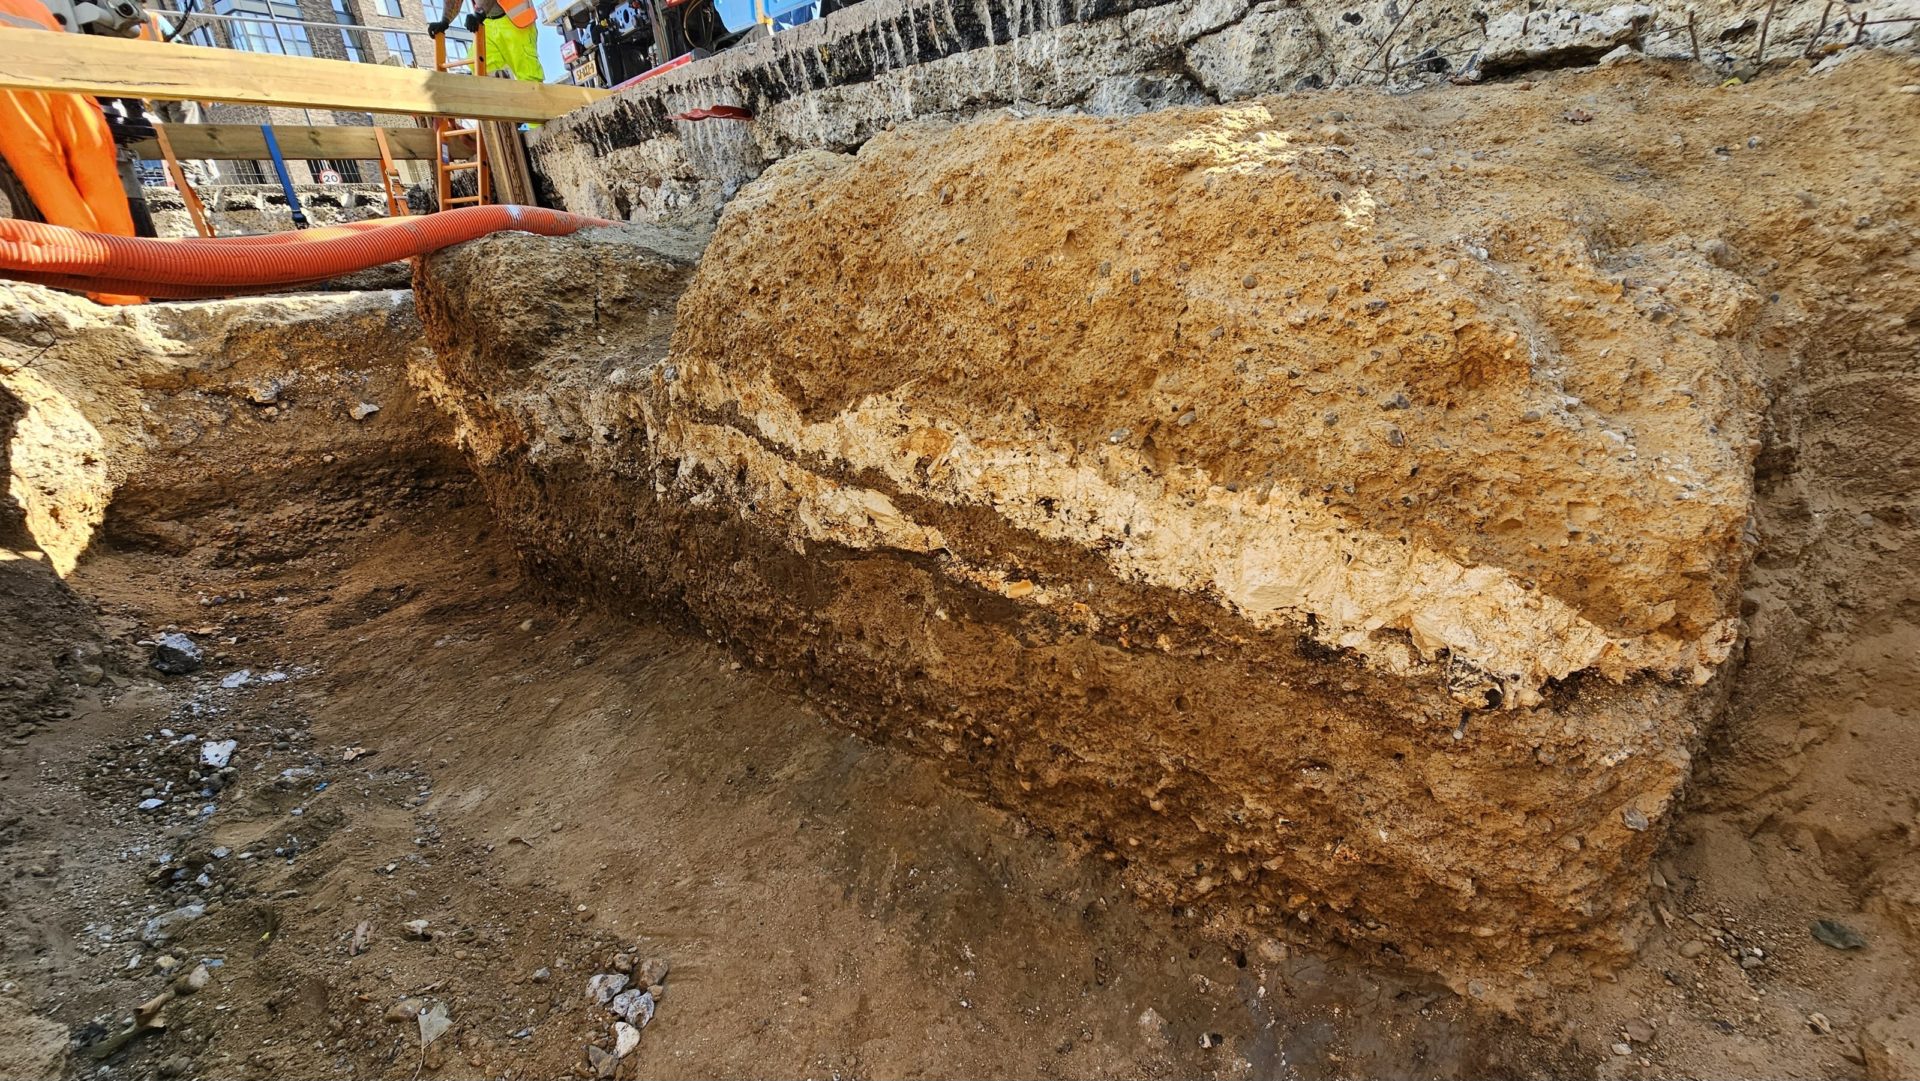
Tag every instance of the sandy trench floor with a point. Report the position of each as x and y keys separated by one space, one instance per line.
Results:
x=550 y=788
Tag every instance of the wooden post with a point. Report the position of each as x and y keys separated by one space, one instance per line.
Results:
x=187 y=195
x=507 y=161
x=390 y=177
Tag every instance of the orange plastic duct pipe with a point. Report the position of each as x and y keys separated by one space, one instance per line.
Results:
x=145 y=290
x=198 y=267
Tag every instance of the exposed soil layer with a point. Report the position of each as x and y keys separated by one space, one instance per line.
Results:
x=1339 y=525
x=836 y=82
x=109 y=404
x=424 y=733
x=552 y=785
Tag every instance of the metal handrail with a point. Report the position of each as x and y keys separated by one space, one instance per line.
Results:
x=185 y=16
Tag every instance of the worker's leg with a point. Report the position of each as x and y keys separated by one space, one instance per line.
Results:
x=30 y=140
x=59 y=147
x=28 y=13
x=91 y=160
x=515 y=48
x=66 y=182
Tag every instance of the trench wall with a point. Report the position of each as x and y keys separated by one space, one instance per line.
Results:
x=1341 y=526
x=835 y=83
x=238 y=209
x=150 y=425
x=917 y=566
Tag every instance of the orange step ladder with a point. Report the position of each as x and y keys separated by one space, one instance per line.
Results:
x=449 y=137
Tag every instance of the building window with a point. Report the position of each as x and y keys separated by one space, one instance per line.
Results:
x=349 y=171
x=266 y=35
x=389 y=8
x=354 y=41
x=458 y=48
x=244 y=172
x=400 y=47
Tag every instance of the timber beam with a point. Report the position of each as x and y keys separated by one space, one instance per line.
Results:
x=121 y=67
x=243 y=142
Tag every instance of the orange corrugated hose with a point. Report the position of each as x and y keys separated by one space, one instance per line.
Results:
x=193 y=267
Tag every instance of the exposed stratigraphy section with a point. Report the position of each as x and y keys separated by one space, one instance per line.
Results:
x=1338 y=542
x=133 y=420
x=838 y=81
x=1207 y=356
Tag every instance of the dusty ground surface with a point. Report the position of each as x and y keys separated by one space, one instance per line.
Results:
x=550 y=786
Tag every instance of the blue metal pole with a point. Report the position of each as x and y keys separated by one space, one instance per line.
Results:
x=286 y=178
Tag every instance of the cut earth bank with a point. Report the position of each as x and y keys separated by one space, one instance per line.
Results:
x=1342 y=526
x=1352 y=532
x=449 y=791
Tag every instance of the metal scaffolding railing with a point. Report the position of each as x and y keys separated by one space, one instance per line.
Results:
x=282 y=36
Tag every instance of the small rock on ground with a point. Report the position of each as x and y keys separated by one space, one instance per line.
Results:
x=636 y=1006
x=602 y=988
x=217 y=752
x=167 y=924
x=1838 y=935
x=174 y=654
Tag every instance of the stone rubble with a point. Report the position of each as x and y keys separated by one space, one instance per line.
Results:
x=175 y=654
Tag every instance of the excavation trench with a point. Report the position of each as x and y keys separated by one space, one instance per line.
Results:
x=1183 y=541
x=574 y=780
x=1164 y=494
x=953 y=569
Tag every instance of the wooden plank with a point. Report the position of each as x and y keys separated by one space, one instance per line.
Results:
x=123 y=67
x=187 y=195
x=507 y=160
x=243 y=142
x=390 y=177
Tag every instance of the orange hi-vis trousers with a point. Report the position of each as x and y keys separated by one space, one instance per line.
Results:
x=59 y=148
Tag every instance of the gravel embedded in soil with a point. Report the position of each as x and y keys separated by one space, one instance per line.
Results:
x=553 y=800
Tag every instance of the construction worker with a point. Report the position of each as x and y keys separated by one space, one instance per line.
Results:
x=59 y=145
x=59 y=148
x=510 y=35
